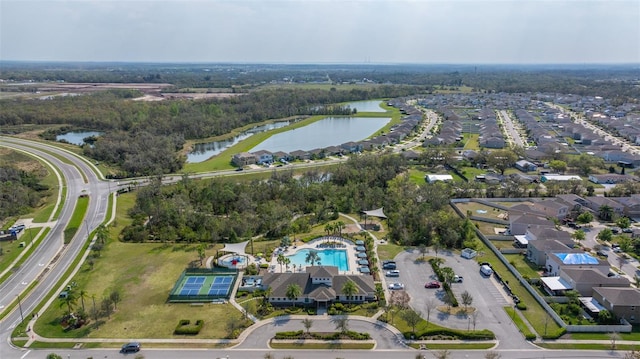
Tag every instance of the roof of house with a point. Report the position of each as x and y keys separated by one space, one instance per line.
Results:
x=576 y=258
x=279 y=282
x=549 y=245
x=619 y=296
x=589 y=275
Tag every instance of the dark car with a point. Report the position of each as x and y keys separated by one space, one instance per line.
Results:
x=239 y=169
x=389 y=265
x=434 y=284
x=602 y=254
x=132 y=347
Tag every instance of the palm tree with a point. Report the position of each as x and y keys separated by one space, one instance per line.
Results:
x=312 y=257
x=605 y=212
x=102 y=234
x=70 y=301
x=287 y=261
x=341 y=322
x=328 y=228
x=307 y=324
x=83 y=294
x=293 y=292
x=281 y=258
x=339 y=226
x=349 y=289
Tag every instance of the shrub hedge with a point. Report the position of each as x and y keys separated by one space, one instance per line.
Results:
x=299 y=334
x=184 y=327
x=484 y=334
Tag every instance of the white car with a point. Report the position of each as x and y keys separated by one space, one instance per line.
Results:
x=393 y=273
x=394 y=286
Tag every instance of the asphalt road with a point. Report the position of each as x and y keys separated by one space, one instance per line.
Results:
x=488 y=296
x=511 y=129
x=41 y=265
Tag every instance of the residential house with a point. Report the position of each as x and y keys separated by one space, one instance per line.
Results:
x=595 y=202
x=584 y=280
x=321 y=286
x=300 y=155
x=552 y=208
x=570 y=259
x=631 y=205
x=526 y=166
x=537 y=250
x=263 y=156
x=611 y=178
x=243 y=159
x=621 y=302
x=520 y=222
x=351 y=147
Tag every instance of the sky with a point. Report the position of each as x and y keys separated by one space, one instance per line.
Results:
x=322 y=31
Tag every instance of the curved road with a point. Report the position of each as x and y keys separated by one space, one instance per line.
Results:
x=51 y=258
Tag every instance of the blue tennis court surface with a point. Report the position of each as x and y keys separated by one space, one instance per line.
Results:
x=220 y=286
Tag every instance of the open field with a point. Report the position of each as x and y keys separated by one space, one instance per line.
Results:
x=481 y=210
x=143 y=274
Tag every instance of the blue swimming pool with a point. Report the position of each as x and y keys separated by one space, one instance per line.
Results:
x=328 y=257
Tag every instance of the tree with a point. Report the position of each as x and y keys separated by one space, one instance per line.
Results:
x=400 y=299
x=604 y=316
x=70 y=300
x=501 y=160
x=623 y=222
x=201 y=253
x=558 y=166
x=312 y=257
x=341 y=322
x=83 y=294
x=307 y=324
x=349 y=289
x=586 y=163
x=467 y=299
x=605 y=235
x=53 y=356
x=280 y=259
x=423 y=250
x=448 y=299
x=613 y=337
x=579 y=235
x=584 y=218
x=605 y=212
x=447 y=274
x=293 y=292
x=412 y=318
x=107 y=307
x=474 y=319
x=430 y=305
x=115 y=298
x=102 y=234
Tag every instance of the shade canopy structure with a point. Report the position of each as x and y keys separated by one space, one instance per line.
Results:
x=360 y=248
x=375 y=213
x=363 y=262
x=237 y=248
x=361 y=255
x=364 y=270
x=359 y=242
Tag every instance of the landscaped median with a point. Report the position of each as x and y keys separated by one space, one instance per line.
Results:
x=320 y=340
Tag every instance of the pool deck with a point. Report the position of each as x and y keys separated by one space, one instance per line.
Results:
x=349 y=246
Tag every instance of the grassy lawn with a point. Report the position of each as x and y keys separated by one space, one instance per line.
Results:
x=143 y=274
x=417 y=176
x=587 y=346
x=485 y=211
x=76 y=219
x=11 y=250
x=471 y=141
x=389 y=251
x=535 y=314
x=472 y=172
x=487 y=228
x=634 y=335
x=523 y=266
x=519 y=322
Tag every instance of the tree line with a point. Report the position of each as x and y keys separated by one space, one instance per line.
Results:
x=20 y=191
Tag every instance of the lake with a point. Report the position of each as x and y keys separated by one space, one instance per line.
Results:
x=367 y=106
x=77 y=138
x=203 y=151
x=330 y=131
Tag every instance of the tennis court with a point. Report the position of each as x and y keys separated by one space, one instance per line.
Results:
x=202 y=286
x=221 y=286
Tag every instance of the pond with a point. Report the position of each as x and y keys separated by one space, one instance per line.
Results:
x=367 y=106
x=203 y=151
x=330 y=131
x=77 y=138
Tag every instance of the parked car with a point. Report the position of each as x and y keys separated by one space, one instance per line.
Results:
x=602 y=254
x=389 y=265
x=627 y=230
x=393 y=273
x=132 y=347
x=457 y=279
x=486 y=270
x=434 y=284
x=239 y=169
x=396 y=286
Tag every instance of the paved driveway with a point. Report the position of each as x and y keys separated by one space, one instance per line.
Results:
x=488 y=296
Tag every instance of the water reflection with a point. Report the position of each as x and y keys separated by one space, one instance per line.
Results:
x=203 y=151
x=367 y=106
x=331 y=131
x=77 y=138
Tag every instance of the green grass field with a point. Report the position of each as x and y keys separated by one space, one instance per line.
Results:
x=524 y=329
x=76 y=219
x=143 y=274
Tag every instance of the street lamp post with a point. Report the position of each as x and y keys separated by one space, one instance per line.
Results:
x=20 y=306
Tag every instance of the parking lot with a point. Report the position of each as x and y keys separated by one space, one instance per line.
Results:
x=488 y=296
